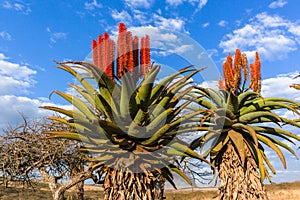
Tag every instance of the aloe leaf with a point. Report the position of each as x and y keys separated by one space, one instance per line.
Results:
x=256 y=115
x=238 y=141
x=267 y=141
x=180 y=173
x=277 y=132
x=80 y=105
x=243 y=97
x=144 y=91
x=268 y=162
x=248 y=129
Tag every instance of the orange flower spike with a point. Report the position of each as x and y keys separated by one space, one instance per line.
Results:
x=237 y=58
x=245 y=67
x=257 y=72
x=237 y=69
x=228 y=72
x=253 y=74
x=222 y=85
x=225 y=74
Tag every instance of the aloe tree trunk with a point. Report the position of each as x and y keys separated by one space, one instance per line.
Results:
x=160 y=188
x=119 y=185
x=239 y=181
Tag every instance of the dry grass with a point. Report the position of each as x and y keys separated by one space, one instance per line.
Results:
x=283 y=191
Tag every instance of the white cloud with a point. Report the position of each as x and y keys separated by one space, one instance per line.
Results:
x=141 y=17
x=139 y=3
x=5 y=35
x=198 y=3
x=271 y=35
x=121 y=16
x=201 y=4
x=15 y=78
x=277 y=4
x=92 y=5
x=54 y=36
x=17 y=6
x=175 y=24
x=12 y=107
x=222 y=23
x=205 y=25
x=279 y=86
x=174 y=2
x=182 y=49
x=159 y=39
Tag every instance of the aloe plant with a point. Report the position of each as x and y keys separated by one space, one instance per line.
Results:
x=243 y=124
x=130 y=126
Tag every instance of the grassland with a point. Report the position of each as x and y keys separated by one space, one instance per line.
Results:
x=283 y=191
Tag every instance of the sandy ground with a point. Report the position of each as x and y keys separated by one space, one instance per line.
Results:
x=278 y=194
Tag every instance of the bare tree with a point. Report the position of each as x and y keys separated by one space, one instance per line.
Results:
x=25 y=151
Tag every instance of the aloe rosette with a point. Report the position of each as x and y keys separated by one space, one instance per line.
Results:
x=243 y=124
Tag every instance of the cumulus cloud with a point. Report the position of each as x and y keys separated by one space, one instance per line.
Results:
x=121 y=16
x=92 y=5
x=17 y=6
x=139 y=3
x=15 y=78
x=271 y=35
x=279 y=86
x=277 y=4
x=54 y=36
x=13 y=107
x=5 y=35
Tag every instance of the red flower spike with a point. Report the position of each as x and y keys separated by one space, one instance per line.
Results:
x=95 y=52
x=142 y=58
x=121 y=60
x=100 y=52
x=106 y=52
x=122 y=27
x=147 y=53
x=129 y=52
x=135 y=47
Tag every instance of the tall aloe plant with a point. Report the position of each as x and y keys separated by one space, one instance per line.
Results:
x=131 y=126
x=243 y=125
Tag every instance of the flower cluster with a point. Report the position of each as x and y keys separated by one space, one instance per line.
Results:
x=233 y=73
x=129 y=56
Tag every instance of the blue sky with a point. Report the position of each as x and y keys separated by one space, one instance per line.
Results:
x=34 y=33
